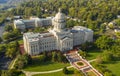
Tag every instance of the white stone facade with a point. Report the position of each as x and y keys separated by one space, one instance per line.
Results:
x=57 y=38
x=32 y=23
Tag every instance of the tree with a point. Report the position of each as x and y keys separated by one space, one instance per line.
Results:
x=65 y=70
x=42 y=58
x=16 y=32
x=0 y=72
x=72 y=11
x=54 y=56
x=17 y=45
x=59 y=55
x=22 y=61
x=0 y=39
x=107 y=56
x=104 y=42
x=2 y=48
x=82 y=53
x=6 y=36
x=12 y=49
x=11 y=73
x=8 y=28
x=11 y=52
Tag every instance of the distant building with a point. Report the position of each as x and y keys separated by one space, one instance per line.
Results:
x=118 y=16
x=57 y=38
x=117 y=30
x=17 y=17
x=32 y=23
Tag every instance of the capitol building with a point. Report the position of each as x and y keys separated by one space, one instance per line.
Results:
x=57 y=38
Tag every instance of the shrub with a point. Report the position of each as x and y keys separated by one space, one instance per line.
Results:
x=65 y=70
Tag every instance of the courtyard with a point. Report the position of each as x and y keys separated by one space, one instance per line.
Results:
x=81 y=64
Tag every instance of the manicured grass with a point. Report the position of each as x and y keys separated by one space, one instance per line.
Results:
x=92 y=54
x=90 y=73
x=45 y=66
x=60 y=73
x=114 y=67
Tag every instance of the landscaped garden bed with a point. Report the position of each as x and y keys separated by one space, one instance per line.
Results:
x=80 y=63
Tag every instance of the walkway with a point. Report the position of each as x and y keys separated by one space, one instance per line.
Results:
x=92 y=60
x=28 y=73
x=73 y=57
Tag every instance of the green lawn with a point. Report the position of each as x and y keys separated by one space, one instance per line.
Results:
x=92 y=54
x=114 y=67
x=45 y=66
x=91 y=73
x=60 y=73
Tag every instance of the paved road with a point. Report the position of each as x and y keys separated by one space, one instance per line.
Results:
x=1 y=30
x=4 y=62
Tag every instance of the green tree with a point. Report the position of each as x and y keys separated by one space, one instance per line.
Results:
x=11 y=73
x=0 y=72
x=59 y=55
x=107 y=56
x=22 y=61
x=82 y=53
x=6 y=36
x=8 y=28
x=54 y=56
x=65 y=70
x=104 y=42
x=42 y=58
x=1 y=40
x=2 y=48
x=11 y=52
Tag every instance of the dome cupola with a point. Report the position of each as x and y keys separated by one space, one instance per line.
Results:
x=60 y=17
x=59 y=21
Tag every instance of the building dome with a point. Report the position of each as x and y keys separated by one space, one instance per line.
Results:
x=60 y=16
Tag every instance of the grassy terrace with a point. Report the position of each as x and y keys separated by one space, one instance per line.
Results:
x=92 y=54
x=60 y=73
x=45 y=66
x=114 y=67
x=90 y=73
